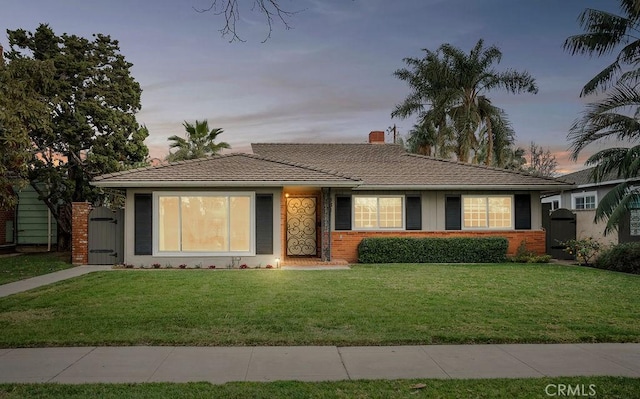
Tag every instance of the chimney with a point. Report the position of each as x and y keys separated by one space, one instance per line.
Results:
x=376 y=137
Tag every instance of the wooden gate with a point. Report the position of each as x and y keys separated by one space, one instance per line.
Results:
x=561 y=227
x=106 y=236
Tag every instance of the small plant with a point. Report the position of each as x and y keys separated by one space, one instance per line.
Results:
x=523 y=255
x=269 y=267
x=244 y=266
x=128 y=266
x=156 y=265
x=584 y=250
x=168 y=266
x=212 y=266
x=182 y=266
x=198 y=265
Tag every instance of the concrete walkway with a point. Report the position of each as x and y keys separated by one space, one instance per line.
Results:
x=314 y=363
x=45 y=279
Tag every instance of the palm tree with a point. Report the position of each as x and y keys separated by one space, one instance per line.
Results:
x=614 y=117
x=617 y=115
x=454 y=83
x=604 y=32
x=199 y=142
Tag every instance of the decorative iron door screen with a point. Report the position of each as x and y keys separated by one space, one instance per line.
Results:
x=301 y=226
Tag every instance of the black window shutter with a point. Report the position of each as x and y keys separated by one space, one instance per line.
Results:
x=343 y=213
x=453 y=213
x=523 y=211
x=264 y=224
x=143 y=224
x=413 y=214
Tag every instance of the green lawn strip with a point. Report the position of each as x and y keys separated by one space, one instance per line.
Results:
x=20 y=267
x=604 y=387
x=368 y=305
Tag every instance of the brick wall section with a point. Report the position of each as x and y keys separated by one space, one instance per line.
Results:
x=344 y=244
x=6 y=215
x=80 y=233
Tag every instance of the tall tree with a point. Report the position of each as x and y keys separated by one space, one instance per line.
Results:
x=616 y=114
x=22 y=109
x=199 y=142
x=541 y=162
x=92 y=99
x=455 y=84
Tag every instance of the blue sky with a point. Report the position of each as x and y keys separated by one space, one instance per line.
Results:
x=330 y=78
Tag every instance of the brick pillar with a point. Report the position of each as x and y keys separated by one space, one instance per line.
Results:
x=80 y=233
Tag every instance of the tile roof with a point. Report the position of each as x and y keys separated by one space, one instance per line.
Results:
x=233 y=169
x=583 y=177
x=380 y=165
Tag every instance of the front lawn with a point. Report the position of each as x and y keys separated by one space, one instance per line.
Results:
x=604 y=387
x=19 y=267
x=368 y=305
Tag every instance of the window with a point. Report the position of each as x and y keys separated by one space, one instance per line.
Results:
x=586 y=200
x=487 y=212
x=209 y=223
x=554 y=200
x=378 y=212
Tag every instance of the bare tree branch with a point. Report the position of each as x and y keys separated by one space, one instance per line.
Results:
x=271 y=10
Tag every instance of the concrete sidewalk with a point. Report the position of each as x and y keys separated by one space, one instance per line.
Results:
x=45 y=279
x=315 y=363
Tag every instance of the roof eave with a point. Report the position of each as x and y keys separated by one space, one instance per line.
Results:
x=483 y=187
x=197 y=184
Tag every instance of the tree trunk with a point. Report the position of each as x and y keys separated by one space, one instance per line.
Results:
x=489 y=160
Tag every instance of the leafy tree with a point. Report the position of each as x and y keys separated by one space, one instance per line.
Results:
x=199 y=142
x=22 y=110
x=615 y=115
x=449 y=90
x=91 y=129
x=541 y=163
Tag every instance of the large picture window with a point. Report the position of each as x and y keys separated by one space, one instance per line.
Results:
x=383 y=212
x=216 y=223
x=487 y=212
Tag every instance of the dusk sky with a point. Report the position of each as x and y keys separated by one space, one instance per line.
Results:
x=329 y=78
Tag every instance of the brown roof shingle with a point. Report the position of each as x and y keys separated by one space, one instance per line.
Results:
x=379 y=165
x=233 y=169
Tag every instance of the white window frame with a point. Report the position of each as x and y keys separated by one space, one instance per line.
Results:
x=156 y=225
x=513 y=213
x=584 y=194
x=402 y=211
x=551 y=199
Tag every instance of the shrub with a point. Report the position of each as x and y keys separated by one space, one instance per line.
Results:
x=432 y=250
x=523 y=255
x=584 y=249
x=621 y=258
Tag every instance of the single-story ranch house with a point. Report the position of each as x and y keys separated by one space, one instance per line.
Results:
x=287 y=202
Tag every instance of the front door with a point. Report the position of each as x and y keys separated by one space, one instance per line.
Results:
x=301 y=226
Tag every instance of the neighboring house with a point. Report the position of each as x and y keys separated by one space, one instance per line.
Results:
x=7 y=228
x=35 y=225
x=291 y=201
x=583 y=199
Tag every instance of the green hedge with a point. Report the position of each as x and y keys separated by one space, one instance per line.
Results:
x=621 y=258
x=433 y=250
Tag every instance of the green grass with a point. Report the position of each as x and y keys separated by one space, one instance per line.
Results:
x=605 y=387
x=14 y=268
x=368 y=305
